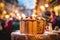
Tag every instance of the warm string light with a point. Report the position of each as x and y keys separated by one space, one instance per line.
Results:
x=34 y=16
x=42 y=8
x=46 y=5
x=18 y=16
x=2 y=5
x=7 y=16
x=4 y=12
x=23 y=16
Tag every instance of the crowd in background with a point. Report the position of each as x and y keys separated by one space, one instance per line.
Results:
x=52 y=18
x=7 y=24
x=6 y=27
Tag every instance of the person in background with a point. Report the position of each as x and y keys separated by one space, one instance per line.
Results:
x=8 y=27
x=1 y=31
x=15 y=25
x=3 y=34
x=3 y=23
x=58 y=21
x=53 y=19
x=47 y=16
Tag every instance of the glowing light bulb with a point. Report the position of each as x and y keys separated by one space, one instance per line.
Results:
x=18 y=14
x=33 y=16
x=2 y=4
x=42 y=8
x=4 y=12
x=46 y=5
x=7 y=16
x=23 y=16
